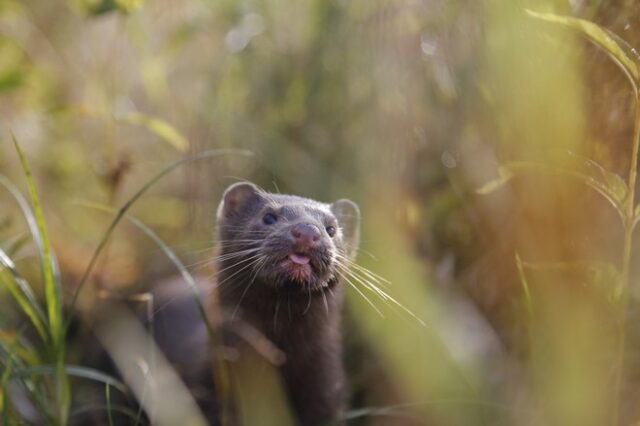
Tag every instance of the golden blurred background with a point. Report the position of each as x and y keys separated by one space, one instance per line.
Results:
x=490 y=151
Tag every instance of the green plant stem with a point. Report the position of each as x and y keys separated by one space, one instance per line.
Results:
x=123 y=210
x=626 y=259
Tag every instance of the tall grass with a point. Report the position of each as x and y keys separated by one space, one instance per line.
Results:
x=620 y=194
x=527 y=292
x=41 y=368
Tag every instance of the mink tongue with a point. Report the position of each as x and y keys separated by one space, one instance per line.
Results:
x=300 y=259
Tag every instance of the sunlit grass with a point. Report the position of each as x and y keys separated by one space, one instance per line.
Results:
x=511 y=304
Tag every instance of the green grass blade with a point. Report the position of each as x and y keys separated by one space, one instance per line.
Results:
x=49 y=266
x=52 y=291
x=182 y=269
x=107 y=392
x=15 y=244
x=21 y=292
x=612 y=189
x=75 y=371
x=617 y=49
x=525 y=285
x=127 y=205
x=26 y=210
x=37 y=393
x=102 y=407
x=159 y=127
x=4 y=402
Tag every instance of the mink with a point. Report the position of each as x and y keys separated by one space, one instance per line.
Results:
x=280 y=264
x=280 y=260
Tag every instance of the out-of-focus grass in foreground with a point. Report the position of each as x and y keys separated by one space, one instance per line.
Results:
x=491 y=145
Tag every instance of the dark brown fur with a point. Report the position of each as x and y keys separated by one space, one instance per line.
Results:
x=297 y=308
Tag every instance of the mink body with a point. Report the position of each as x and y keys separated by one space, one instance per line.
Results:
x=288 y=286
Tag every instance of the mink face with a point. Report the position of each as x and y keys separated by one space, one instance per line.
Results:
x=284 y=242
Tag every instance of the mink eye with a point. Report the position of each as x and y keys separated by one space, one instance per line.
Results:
x=331 y=230
x=269 y=219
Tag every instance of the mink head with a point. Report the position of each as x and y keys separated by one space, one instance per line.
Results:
x=284 y=241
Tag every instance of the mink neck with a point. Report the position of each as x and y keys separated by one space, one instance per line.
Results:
x=307 y=329
x=282 y=313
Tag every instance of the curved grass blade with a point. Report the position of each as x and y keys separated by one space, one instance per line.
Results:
x=182 y=269
x=615 y=194
x=53 y=294
x=106 y=407
x=159 y=127
x=616 y=48
x=16 y=243
x=4 y=400
x=32 y=389
x=504 y=176
x=127 y=205
x=51 y=279
x=107 y=391
x=73 y=370
x=23 y=295
x=26 y=210
x=221 y=379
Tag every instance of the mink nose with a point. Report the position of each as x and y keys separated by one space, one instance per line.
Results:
x=306 y=235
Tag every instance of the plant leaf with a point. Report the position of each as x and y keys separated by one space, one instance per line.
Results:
x=16 y=243
x=127 y=205
x=504 y=176
x=53 y=294
x=73 y=370
x=615 y=184
x=23 y=295
x=616 y=48
x=184 y=272
x=165 y=131
x=49 y=266
x=607 y=184
x=602 y=276
x=159 y=127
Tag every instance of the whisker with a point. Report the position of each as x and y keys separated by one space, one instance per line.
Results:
x=363 y=295
x=308 y=301
x=275 y=314
x=372 y=275
x=246 y=289
x=383 y=295
x=240 y=262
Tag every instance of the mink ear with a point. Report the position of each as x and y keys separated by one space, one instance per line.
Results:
x=236 y=197
x=348 y=215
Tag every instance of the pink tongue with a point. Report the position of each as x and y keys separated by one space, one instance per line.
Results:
x=299 y=259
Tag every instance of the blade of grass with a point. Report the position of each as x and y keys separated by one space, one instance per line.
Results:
x=159 y=127
x=31 y=387
x=16 y=287
x=16 y=243
x=52 y=291
x=25 y=297
x=182 y=269
x=107 y=392
x=623 y=55
x=20 y=348
x=222 y=379
x=75 y=371
x=101 y=407
x=4 y=403
x=49 y=265
x=134 y=198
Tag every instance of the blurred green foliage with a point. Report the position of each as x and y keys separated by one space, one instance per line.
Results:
x=407 y=108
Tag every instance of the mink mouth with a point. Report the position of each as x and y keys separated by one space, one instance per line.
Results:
x=301 y=271
x=299 y=267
